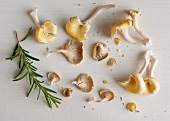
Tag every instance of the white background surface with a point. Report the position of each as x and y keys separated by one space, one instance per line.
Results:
x=155 y=21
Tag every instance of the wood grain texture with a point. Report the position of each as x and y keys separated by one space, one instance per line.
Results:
x=155 y=21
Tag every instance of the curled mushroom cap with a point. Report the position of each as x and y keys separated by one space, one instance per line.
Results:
x=84 y=82
x=77 y=29
x=67 y=92
x=137 y=85
x=46 y=32
x=73 y=50
x=105 y=94
x=131 y=106
x=135 y=14
x=100 y=51
x=53 y=77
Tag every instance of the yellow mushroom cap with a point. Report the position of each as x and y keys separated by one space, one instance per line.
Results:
x=76 y=29
x=46 y=33
x=123 y=23
x=131 y=106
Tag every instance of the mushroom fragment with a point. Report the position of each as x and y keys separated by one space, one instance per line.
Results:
x=137 y=85
x=100 y=51
x=53 y=77
x=46 y=32
x=111 y=62
x=84 y=82
x=67 y=92
x=131 y=106
x=105 y=94
x=77 y=29
x=117 y=41
x=135 y=14
x=73 y=50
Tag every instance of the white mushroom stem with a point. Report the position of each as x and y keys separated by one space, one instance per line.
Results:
x=93 y=99
x=52 y=81
x=34 y=16
x=52 y=51
x=138 y=29
x=124 y=32
x=153 y=63
x=147 y=56
x=98 y=11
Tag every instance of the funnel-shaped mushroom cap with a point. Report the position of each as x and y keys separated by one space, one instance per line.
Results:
x=100 y=51
x=74 y=51
x=106 y=94
x=76 y=29
x=53 y=77
x=152 y=86
x=46 y=33
x=84 y=82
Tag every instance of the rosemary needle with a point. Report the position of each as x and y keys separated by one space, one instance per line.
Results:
x=25 y=63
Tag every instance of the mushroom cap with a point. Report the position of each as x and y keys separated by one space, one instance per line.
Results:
x=106 y=94
x=53 y=77
x=111 y=62
x=74 y=51
x=46 y=33
x=124 y=23
x=76 y=29
x=84 y=82
x=134 y=12
x=131 y=106
x=67 y=92
x=99 y=51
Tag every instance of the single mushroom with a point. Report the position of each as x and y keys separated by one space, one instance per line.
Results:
x=100 y=51
x=105 y=94
x=122 y=27
x=73 y=50
x=135 y=14
x=46 y=32
x=77 y=29
x=67 y=92
x=137 y=85
x=111 y=62
x=53 y=77
x=131 y=106
x=84 y=82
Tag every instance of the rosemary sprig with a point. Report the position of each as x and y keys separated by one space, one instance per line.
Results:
x=25 y=63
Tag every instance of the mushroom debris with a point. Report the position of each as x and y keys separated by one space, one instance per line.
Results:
x=135 y=14
x=84 y=82
x=137 y=85
x=77 y=29
x=111 y=62
x=105 y=94
x=46 y=32
x=73 y=50
x=53 y=77
x=131 y=106
x=67 y=92
x=123 y=28
x=100 y=51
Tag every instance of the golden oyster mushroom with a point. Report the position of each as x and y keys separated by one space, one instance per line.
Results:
x=105 y=94
x=46 y=32
x=53 y=77
x=131 y=106
x=137 y=85
x=100 y=51
x=84 y=82
x=77 y=29
x=73 y=50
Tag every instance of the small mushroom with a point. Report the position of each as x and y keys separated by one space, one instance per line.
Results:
x=131 y=106
x=46 y=32
x=135 y=14
x=53 y=77
x=77 y=29
x=67 y=92
x=117 y=41
x=84 y=82
x=137 y=85
x=111 y=62
x=123 y=28
x=73 y=50
x=100 y=51
x=105 y=94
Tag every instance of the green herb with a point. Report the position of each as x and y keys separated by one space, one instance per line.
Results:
x=25 y=63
